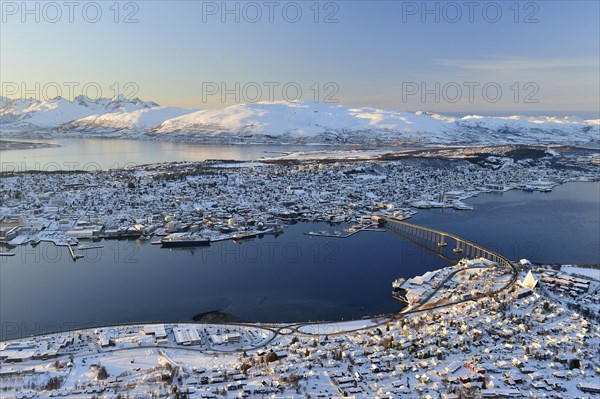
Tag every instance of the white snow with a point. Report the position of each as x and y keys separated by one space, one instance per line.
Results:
x=59 y=111
x=582 y=271
x=139 y=119
x=306 y=121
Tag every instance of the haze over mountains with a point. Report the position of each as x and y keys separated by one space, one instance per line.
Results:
x=279 y=122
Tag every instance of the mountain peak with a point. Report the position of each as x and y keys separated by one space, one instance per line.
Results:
x=119 y=98
x=291 y=122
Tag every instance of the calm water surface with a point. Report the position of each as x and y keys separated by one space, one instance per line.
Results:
x=562 y=226
x=292 y=277
x=94 y=154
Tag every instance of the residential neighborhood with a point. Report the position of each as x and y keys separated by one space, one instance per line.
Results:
x=499 y=346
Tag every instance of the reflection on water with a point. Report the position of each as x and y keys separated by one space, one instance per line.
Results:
x=291 y=277
x=558 y=227
x=94 y=154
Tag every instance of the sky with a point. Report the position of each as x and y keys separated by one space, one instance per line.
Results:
x=453 y=57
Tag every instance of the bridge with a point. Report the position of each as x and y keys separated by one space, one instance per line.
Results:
x=438 y=242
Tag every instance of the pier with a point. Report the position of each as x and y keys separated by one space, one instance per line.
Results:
x=369 y=227
x=72 y=253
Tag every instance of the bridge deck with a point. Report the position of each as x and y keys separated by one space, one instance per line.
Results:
x=440 y=238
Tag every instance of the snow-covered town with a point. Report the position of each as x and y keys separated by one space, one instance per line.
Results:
x=474 y=329
x=217 y=200
x=520 y=342
x=299 y=199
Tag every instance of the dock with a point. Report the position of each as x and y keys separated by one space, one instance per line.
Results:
x=72 y=253
x=250 y=234
x=370 y=227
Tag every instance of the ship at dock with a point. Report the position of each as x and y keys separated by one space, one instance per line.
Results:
x=176 y=240
x=243 y=235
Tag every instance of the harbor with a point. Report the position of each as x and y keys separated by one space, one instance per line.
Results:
x=256 y=287
x=74 y=256
x=146 y=202
x=349 y=232
x=4 y=252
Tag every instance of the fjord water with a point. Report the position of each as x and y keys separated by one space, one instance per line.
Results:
x=94 y=154
x=290 y=277
x=562 y=226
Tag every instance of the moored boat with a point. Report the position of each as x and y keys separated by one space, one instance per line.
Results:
x=184 y=240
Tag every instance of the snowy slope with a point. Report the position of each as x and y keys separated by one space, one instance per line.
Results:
x=299 y=122
x=53 y=112
x=137 y=120
x=32 y=114
x=309 y=120
x=272 y=119
x=300 y=119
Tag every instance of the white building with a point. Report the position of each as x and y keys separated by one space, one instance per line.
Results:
x=158 y=330
x=529 y=281
x=186 y=336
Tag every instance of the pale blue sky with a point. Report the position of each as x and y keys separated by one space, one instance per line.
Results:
x=375 y=54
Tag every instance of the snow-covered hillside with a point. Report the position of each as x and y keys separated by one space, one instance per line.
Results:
x=278 y=122
x=29 y=114
x=302 y=119
x=136 y=120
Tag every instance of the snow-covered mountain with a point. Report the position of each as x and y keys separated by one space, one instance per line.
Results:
x=137 y=120
x=29 y=114
x=282 y=122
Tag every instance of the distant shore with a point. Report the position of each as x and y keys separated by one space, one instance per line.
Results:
x=6 y=145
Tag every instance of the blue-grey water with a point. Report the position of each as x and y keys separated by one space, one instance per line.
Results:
x=291 y=277
x=562 y=226
x=95 y=154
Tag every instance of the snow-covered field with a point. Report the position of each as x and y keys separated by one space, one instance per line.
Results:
x=582 y=271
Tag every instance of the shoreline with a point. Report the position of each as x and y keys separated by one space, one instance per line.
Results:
x=15 y=145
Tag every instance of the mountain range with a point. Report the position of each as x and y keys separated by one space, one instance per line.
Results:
x=302 y=122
